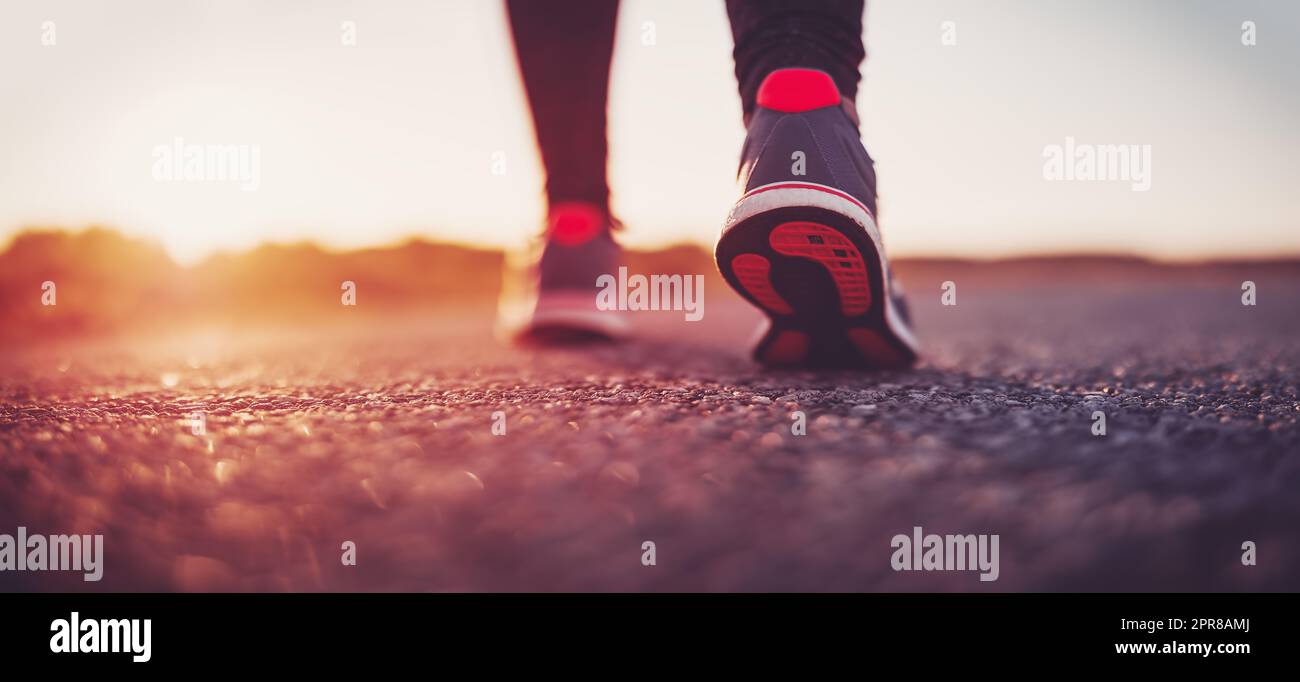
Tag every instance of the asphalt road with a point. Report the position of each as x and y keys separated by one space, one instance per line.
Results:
x=381 y=434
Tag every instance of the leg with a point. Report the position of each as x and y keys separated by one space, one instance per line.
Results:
x=817 y=34
x=564 y=50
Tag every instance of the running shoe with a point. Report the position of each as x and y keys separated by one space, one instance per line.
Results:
x=802 y=242
x=556 y=302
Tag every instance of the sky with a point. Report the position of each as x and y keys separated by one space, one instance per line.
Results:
x=421 y=127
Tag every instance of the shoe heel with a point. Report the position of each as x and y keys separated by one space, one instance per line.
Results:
x=818 y=274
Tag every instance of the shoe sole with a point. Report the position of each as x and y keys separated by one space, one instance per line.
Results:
x=566 y=318
x=809 y=256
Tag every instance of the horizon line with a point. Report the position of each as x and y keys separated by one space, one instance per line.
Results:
x=424 y=238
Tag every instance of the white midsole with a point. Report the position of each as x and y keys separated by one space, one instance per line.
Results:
x=776 y=196
x=569 y=308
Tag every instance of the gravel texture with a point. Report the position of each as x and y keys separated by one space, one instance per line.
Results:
x=381 y=434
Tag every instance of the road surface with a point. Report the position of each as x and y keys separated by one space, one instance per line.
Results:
x=381 y=434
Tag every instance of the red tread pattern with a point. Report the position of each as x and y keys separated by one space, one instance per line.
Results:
x=876 y=349
x=788 y=348
x=833 y=250
x=753 y=270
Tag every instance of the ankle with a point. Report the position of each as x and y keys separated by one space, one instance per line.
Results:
x=572 y=223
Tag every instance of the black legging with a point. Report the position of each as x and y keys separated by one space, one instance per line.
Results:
x=564 y=49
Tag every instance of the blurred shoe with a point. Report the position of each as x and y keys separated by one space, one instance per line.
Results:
x=802 y=242
x=555 y=304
